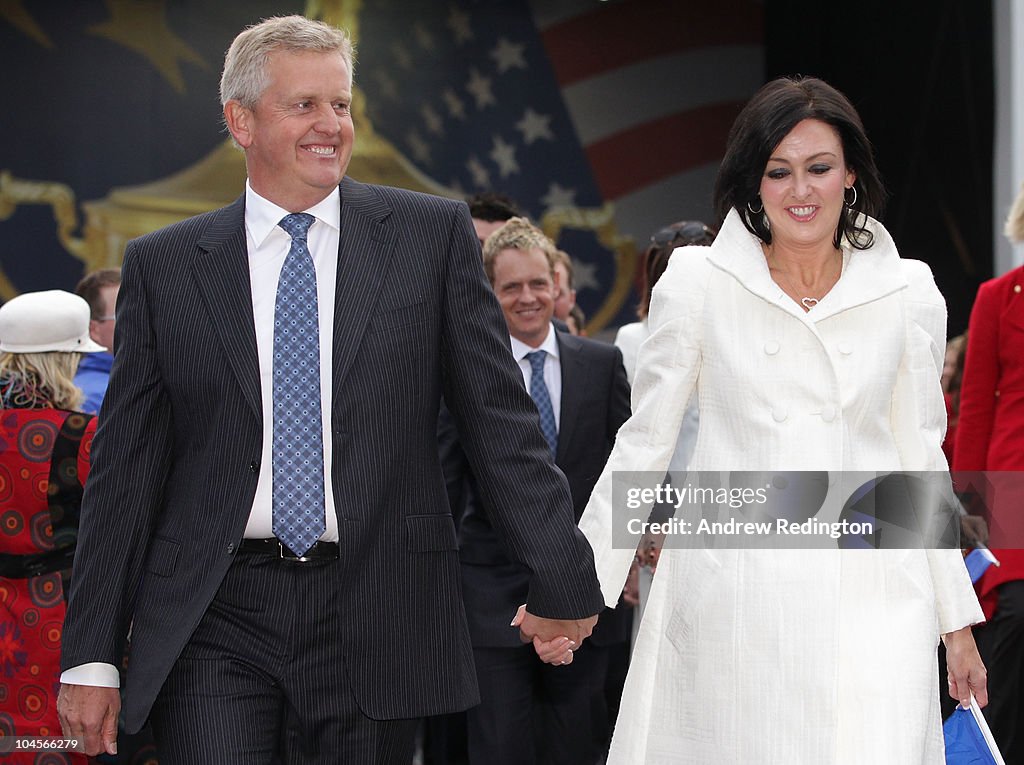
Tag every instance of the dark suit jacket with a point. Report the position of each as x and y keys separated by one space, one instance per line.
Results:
x=176 y=455
x=595 y=403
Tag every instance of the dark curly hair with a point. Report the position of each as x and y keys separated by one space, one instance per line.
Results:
x=768 y=118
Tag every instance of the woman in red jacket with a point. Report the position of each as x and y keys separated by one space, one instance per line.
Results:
x=990 y=437
x=44 y=460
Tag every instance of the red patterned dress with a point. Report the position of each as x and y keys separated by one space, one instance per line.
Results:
x=44 y=460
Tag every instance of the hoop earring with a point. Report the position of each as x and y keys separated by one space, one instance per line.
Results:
x=753 y=211
x=853 y=201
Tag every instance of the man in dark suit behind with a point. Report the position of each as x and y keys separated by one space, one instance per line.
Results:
x=300 y=339
x=532 y=712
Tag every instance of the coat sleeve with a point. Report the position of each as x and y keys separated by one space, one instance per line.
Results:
x=131 y=458
x=666 y=375
x=919 y=423
x=525 y=496
x=980 y=380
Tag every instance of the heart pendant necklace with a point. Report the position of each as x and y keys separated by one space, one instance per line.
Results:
x=807 y=302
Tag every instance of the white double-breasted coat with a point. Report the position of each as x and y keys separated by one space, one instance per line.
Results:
x=787 y=656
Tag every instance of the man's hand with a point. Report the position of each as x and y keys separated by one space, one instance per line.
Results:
x=530 y=627
x=89 y=713
x=974 y=530
x=966 y=672
x=648 y=552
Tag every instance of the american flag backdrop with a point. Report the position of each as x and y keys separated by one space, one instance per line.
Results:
x=604 y=120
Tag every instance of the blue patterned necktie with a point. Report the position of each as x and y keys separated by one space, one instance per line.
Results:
x=298 y=454
x=539 y=392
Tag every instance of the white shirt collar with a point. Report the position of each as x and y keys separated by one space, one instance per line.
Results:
x=262 y=215
x=550 y=344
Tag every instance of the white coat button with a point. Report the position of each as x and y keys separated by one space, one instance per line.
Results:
x=828 y=413
x=771 y=347
x=779 y=414
x=845 y=348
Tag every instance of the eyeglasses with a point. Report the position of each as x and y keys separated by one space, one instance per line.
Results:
x=685 y=232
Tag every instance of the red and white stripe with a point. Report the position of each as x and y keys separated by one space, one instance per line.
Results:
x=652 y=88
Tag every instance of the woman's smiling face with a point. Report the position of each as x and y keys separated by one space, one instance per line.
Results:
x=804 y=184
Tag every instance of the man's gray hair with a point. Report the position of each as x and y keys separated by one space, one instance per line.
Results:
x=245 y=64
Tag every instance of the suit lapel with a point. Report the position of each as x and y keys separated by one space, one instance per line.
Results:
x=573 y=379
x=367 y=245
x=222 y=276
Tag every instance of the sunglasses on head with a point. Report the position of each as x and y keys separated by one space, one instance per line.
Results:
x=689 y=231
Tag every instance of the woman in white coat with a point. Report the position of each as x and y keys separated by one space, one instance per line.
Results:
x=810 y=345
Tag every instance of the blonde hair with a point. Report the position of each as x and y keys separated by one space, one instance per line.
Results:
x=1014 y=229
x=245 y=65
x=517 y=234
x=43 y=378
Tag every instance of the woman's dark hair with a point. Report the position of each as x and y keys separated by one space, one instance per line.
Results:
x=768 y=118
x=663 y=242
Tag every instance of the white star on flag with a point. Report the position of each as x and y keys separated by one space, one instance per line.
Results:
x=480 y=87
x=387 y=86
x=558 y=197
x=420 y=149
x=455 y=106
x=584 y=275
x=458 y=22
x=424 y=38
x=402 y=55
x=504 y=156
x=508 y=55
x=480 y=175
x=534 y=126
x=432 y=119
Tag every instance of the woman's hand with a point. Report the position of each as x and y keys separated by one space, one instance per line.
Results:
x=966 y=672
x=631 y=592
x=557 y=651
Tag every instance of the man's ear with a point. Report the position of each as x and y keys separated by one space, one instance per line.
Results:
x=239 y=121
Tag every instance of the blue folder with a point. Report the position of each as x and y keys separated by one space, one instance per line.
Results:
x=968 y=739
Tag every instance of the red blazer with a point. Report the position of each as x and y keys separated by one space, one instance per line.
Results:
x=990 y=432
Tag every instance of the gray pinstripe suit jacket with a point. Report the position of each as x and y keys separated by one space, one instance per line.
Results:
x=175 y=461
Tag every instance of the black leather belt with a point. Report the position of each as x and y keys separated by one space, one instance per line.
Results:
x=36 y=564
x=319 y=551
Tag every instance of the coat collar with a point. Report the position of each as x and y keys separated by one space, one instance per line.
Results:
x=869 y=274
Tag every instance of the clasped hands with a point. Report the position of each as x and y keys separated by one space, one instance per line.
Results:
x=554 y=640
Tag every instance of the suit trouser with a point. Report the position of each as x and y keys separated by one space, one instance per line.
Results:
x=1001 y=645
x=262 y=679
x=532 y=713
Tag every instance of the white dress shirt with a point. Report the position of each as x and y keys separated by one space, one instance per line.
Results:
x=552 y=369
x=268 y=245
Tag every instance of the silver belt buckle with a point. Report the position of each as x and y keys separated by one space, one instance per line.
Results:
x=284 y=553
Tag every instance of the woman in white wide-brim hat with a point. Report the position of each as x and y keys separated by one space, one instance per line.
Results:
x=44 y=460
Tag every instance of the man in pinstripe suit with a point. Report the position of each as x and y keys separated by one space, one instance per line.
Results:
x=242 y=650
